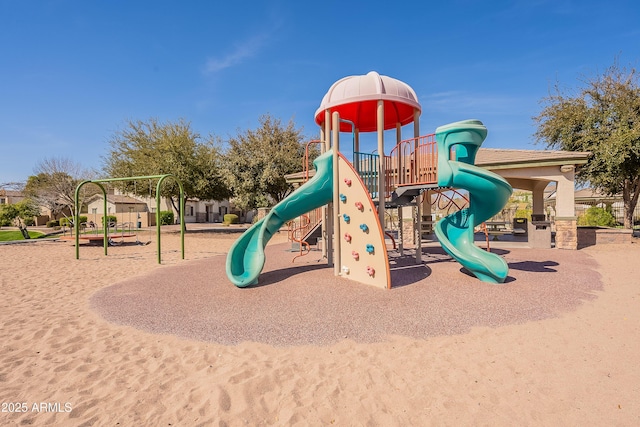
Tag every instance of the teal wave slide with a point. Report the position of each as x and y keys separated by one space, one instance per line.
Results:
x=458 y=144
x=246 y=258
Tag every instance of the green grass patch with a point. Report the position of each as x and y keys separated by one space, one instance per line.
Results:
x=11 y=235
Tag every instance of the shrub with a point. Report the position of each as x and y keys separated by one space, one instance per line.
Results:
x=231 y=219
x=53 y=223
x=596 y=216
x=4 y=219
x=67 y=222
x=29 y=222
x=111 y=219
x=523 y=213
x=166 y=217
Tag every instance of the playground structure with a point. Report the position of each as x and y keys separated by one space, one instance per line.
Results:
x=107 y=235
x=354 y=195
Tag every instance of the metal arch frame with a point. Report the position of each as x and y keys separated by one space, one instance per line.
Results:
x=99 y=182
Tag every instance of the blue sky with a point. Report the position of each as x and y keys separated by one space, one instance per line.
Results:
x=72 y=72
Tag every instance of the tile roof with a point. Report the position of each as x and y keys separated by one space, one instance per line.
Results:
x=12 y=193
x=493 y=156
x=584 y=194
x=118 y=198
x=591 y=193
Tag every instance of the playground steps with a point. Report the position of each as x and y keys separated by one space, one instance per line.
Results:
x=313 y=234
x=311 y=237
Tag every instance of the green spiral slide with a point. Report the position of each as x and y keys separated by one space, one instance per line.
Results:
x=246 y=258
x=458 y=144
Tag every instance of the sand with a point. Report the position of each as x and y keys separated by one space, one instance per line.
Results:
x=119 y=340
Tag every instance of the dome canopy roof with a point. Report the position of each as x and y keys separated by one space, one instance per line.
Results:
x=356 y=99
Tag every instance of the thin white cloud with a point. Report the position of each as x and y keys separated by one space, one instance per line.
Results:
x=451 y=101
x=242 y=51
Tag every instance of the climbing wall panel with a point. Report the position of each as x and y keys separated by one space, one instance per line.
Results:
x=362 y=248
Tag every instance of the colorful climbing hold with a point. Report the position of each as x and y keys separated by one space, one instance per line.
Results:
x=364 y=227
x=369 y=248
x=346 y=217
x=345 y=269
x=355 y=255
x=343 y=198
x=347 y=237
x=348 y=182
x=371 y=271
x=359 y=206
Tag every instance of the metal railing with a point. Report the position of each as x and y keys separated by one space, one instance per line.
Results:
x=299 y=229
x=413 y=161
x=367 y=166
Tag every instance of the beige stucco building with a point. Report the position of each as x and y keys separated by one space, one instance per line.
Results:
x=534 y=170
x=128 y=208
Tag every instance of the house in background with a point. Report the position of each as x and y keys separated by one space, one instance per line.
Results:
x=10 y=197
x=47 y=215
x=125 y=208
x=196 y=210
x=129 y=208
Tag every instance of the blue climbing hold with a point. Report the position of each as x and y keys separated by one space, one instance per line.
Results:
x=364 y=227
x=369 y=248
x=343 y=198
x=346 y=217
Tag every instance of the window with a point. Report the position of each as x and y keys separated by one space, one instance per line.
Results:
x=191 y=211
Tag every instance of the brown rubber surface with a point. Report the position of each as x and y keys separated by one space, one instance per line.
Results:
x=304 y=303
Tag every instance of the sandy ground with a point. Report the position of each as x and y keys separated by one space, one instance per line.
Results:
x=119 y=340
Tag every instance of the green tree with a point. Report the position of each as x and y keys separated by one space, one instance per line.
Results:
x=155 y=148
x=603 y=118
x=18 y=213
x=597 y=216
x=257 y=161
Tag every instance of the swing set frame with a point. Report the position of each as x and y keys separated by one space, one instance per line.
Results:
x=99 y=182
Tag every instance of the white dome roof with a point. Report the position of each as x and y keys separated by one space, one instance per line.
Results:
x=356 y=97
